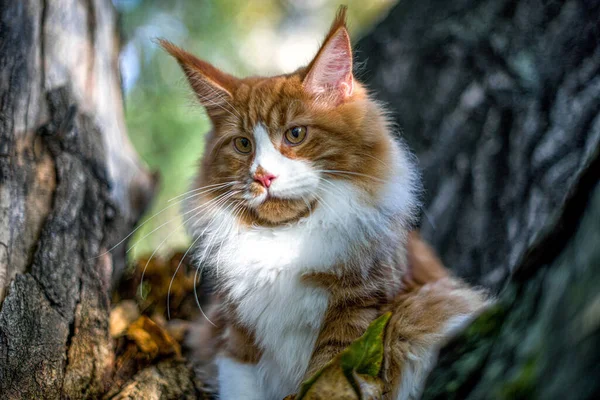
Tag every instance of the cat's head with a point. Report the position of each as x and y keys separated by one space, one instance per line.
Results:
x=280 y=142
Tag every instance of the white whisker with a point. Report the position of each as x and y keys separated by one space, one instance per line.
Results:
x=201 y=261
x=145 y=222
x=333 y=172
x=172 y=219
x=168 y=236
x=204 y=189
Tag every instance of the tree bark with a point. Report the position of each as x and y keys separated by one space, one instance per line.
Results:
x=71 y=185
x=500 y=100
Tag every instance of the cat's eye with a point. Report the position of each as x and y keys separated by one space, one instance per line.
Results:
x=296 y=135
x=242 y=144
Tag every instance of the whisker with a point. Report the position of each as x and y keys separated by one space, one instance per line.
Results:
x=320 y=199
x=374 y=158
x=307 y=204
x=204 y=189
x=172 y=219
x=195 y=283
x=201 y=262
x=235 y=211
x=214 y=235
x=333 y=171
x=141 y=225
x=165 y=239
x=332 y=187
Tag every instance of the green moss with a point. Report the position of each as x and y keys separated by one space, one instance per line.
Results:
x=487 y=323
x=523 y=384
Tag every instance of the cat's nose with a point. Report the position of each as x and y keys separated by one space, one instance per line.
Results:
x=264 y=179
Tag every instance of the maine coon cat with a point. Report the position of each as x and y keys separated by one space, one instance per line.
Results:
x=304 y=205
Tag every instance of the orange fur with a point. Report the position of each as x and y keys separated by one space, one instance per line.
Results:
x=347 y=132
x=281 y=102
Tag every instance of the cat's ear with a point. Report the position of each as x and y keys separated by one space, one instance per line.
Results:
x=213 y=87
x=330 y=72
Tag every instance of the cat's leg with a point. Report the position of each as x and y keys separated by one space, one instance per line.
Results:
x=225 y=356
x=238 y=380
x=342 y=326
x=423 y=319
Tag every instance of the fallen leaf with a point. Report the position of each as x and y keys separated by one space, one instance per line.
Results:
x=332 y=383
x=152 y=339
x=353 y=374
x=121 y=316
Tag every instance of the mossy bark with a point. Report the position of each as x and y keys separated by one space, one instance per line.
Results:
x=500 y=100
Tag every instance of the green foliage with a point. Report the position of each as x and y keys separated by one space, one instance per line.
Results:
x=365 y=355
x=360 y=361
x=523 y=384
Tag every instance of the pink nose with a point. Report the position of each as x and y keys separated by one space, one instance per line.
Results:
x=264 y=179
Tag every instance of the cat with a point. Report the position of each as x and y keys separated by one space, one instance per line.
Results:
x=302 y=210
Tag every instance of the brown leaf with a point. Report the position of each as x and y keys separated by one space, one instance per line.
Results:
x=145 y=343
x=152 y=339
x=331 y=384
x=121 y=316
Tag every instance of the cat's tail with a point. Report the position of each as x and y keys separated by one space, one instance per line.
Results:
x=433 y=307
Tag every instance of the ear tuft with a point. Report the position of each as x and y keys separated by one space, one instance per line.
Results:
x=212 y=86
x=339 y=21
x=330 y=72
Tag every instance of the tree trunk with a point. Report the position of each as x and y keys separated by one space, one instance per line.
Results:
x=71 y=185
x=500 y=100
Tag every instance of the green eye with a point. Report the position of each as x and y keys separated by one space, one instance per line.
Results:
x=242 y=144
x=296 y=135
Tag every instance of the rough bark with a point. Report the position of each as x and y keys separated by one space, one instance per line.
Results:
x=70 y=186
x=500 y=100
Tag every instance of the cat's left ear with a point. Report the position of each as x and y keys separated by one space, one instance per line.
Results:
x=330 y=72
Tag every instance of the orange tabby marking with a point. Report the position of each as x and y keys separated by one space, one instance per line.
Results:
x=306 y=235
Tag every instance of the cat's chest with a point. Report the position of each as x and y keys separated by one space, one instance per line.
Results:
x=286 y=315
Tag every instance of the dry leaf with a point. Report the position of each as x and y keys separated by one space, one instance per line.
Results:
x=152 y=339
x=331 y=384
x=121 y=316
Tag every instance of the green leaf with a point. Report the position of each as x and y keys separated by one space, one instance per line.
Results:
x=365 y=354
x=362 y=358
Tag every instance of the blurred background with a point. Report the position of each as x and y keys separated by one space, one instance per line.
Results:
x=241 y=37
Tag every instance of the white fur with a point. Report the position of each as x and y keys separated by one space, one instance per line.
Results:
x=421 y=360
x=237 y=380
x=261 y=267
x=287 y=316
x=295 y=178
